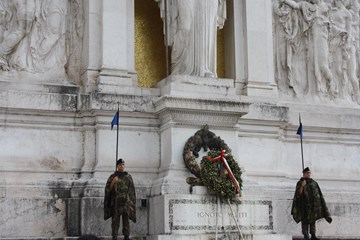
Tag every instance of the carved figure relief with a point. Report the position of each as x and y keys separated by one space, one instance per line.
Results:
x=74 y=38
x=340 y=46
x=17 y=18
x=33 y=35
x=288 y=50
x=315 y=47
x=191 y=29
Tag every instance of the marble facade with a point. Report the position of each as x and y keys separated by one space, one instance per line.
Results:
x=66 y=65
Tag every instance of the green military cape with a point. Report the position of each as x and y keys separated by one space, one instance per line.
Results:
x=310 y=206
x=110 y=199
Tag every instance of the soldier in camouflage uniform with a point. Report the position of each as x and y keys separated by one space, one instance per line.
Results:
x=309 y=205
x=120 y=200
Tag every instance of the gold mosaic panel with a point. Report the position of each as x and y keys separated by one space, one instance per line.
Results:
x=149 y=45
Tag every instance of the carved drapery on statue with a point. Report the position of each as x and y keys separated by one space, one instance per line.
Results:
x=315 y=51
x=33 y=36
x=218 y=171
x=191 y=33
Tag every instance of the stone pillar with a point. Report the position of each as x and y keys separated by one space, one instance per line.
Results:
x=110 y=46
x=234 y=46
x=250 y=28
x=92 y=45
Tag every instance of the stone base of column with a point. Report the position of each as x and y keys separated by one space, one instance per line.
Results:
x=38 y=96
x=260 y=89
x=221 y=236
x=123 y=83
x=201 y=87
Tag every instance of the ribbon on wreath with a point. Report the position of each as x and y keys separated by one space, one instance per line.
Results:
x=222 y=158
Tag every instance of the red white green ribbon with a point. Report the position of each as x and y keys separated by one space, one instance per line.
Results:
x=222 y=158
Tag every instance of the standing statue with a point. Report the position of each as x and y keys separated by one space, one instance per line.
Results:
x=191 y=29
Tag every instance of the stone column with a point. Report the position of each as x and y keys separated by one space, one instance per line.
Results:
x=250 y=28
x=110 y=46
x=92 y=44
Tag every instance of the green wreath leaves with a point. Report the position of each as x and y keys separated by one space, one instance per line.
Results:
x=223 y=187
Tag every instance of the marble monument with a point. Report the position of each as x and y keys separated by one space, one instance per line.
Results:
x=66 y=66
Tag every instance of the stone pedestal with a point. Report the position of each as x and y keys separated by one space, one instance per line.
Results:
x=202 y=216
x=201 y=87
x=181 y=116
x=193 y=215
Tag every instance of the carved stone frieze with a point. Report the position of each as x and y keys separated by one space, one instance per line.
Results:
x=194 y=118
x=316 y=49
x=208 y=104
x=41 y=39
x=197 y=112
x=129 y=103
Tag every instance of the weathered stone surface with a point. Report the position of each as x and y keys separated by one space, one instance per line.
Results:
x=58 y=149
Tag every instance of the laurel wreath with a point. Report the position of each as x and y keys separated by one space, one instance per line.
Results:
x=223 y=187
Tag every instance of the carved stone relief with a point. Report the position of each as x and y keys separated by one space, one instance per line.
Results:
x=74 y=38
x=34 y=36
x=316 y=48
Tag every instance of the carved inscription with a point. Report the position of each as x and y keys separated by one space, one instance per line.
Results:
x=205 y=215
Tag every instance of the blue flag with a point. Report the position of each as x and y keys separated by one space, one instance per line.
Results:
x=300 y=131
x=115 y=120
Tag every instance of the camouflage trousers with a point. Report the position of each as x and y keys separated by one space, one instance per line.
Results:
x=305 y=229
x=115 y=223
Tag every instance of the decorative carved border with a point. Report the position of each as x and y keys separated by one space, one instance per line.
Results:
x=201 y=104
x=190 y=117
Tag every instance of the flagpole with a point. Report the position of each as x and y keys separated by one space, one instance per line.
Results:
x=117 y=136
x=300 y=132
x=301 y=143
x=302 y=154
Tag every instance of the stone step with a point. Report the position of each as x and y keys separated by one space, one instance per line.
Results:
x=328 y=238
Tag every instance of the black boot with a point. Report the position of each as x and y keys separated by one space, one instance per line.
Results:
x=306 y=237
x=126 y=237
x=314 y=238
x=114 y=238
